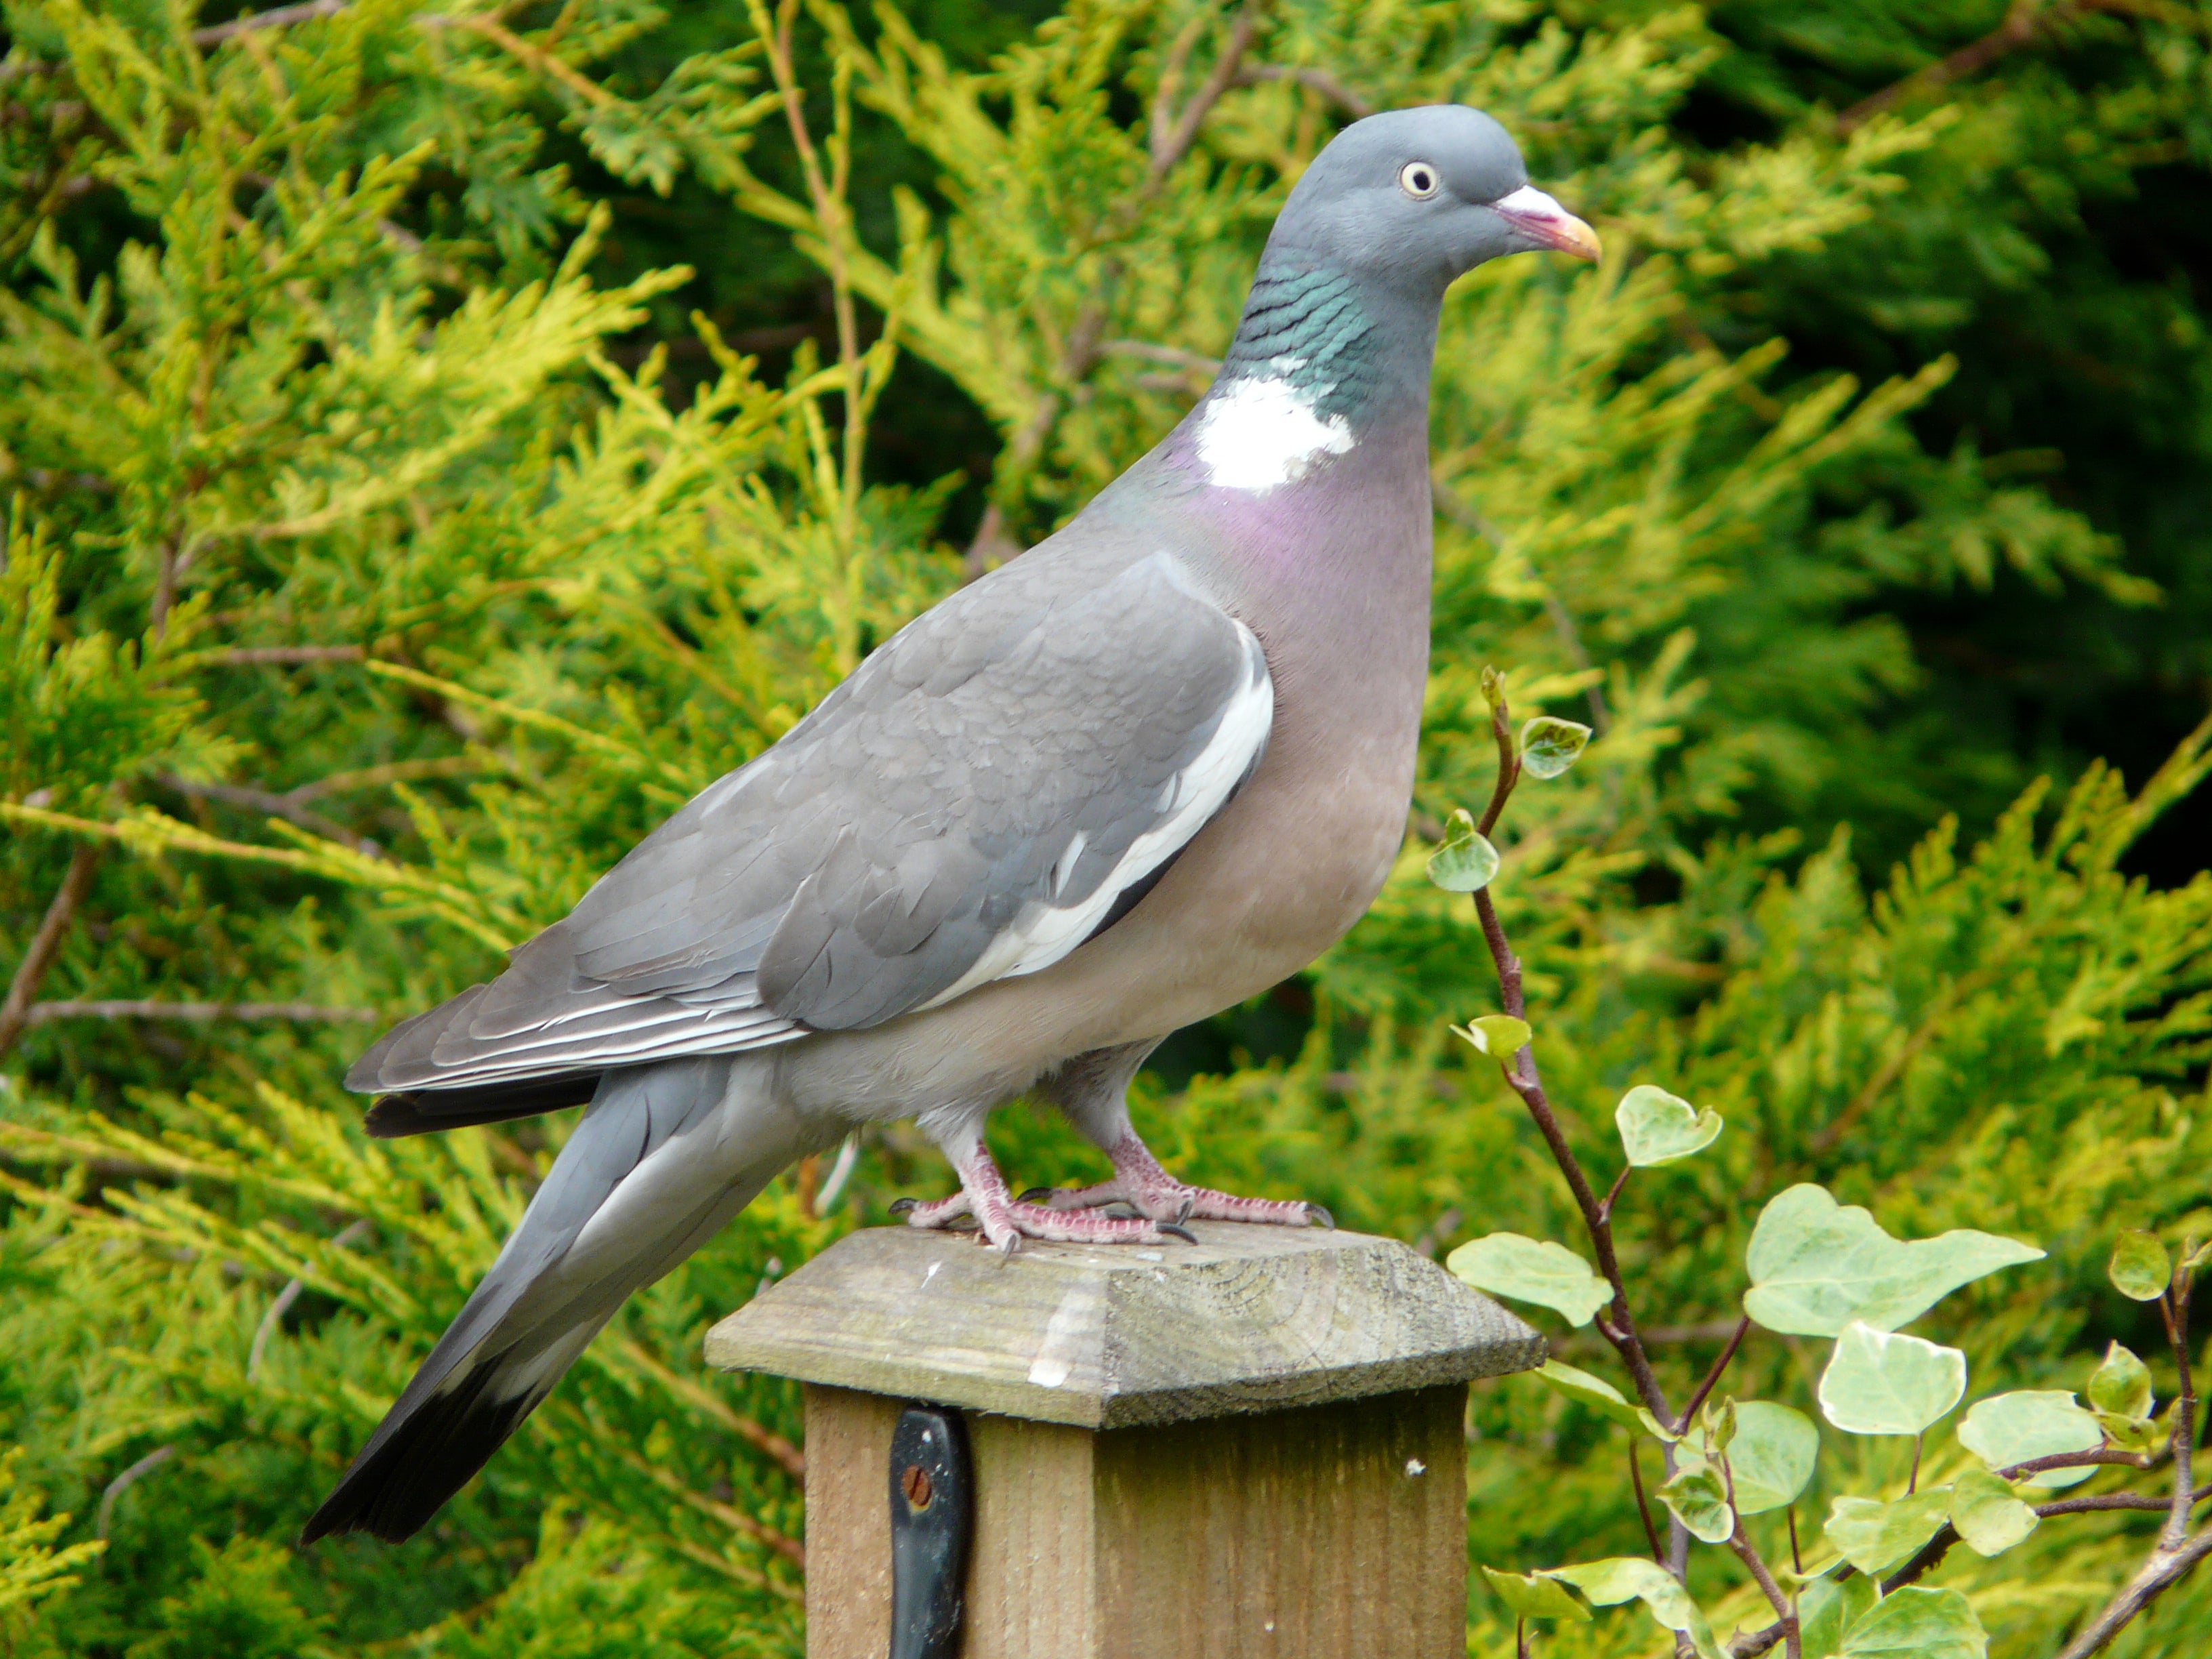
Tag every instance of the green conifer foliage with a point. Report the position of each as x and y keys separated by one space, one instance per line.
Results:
x=436 y=444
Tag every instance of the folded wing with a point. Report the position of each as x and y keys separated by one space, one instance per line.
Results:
x=993 y=787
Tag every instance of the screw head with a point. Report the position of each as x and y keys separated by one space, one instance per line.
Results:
x=917 y=1485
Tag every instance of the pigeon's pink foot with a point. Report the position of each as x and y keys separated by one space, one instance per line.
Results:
x=1141 y=1183
x=1003 y=1221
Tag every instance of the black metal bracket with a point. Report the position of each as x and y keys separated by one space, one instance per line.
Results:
x=932 y=1493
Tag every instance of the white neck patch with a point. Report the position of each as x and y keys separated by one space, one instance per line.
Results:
x=1256 y=435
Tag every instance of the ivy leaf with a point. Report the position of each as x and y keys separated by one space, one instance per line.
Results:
x=1493 y=688
x=1549 y=745
x=1828 y=1609
x=2011 y=1428
x=1657 y=1127
x=1696 y=1496
x=1816 y=1265
x=1596 y=1392
x=1874 y=1536
x=1550 y=1275
x=1988 y=1517
x=1630 y=1577
x=2121 y=1385
x=1718 y=1424
x=1592 y=1391
x=1533 y=1596
x=1772 y=1457
x=1499 y=1035
x=1880 y=1382
x=2134 y=1434
x=2140 y=1268
x=1918 y=1624
x=1466 y=861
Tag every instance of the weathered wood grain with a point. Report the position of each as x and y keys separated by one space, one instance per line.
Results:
x=1249 y=1319
x=848 y=1523
x=1323 y=1532
x=1327 y=1532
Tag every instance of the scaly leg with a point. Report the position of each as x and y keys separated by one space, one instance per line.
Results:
x=1004 y=1221
x=1093 y=1090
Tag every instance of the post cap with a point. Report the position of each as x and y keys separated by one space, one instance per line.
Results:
x=1249 y=1319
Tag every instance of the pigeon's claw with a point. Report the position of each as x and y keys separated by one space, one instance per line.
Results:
x=937 y=1213
x=1146 y=1188
x=1003 y=1222
x=1141 y=1182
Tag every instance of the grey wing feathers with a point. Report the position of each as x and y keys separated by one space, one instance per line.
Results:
x=968 y=805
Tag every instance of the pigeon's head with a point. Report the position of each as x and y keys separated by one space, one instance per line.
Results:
x=1423 y=195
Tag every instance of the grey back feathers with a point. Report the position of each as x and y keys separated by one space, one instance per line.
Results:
x=971 y=803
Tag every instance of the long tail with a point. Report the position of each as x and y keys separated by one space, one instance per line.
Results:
x=665 y=1155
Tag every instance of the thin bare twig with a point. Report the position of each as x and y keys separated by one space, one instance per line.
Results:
x=1172 y=356
x=770 y=1444
x=2181 y=1442
x=1320 y=81
x=352 y=1232
x=1712 y=1376
x=1172 y=139
x=214 y=35
x=377 y=777
x=2108 y=1500
x=1938 y=1018
x=1613 y=1193
x=1755 y=1565
x=46 y=944
x=256 y=656
x=737 y=1520
x=123 y=1483
x=275 y=806
x=1712 y=1330
x=544 y=63
x=2164 y=1569
x=2080 y=1460
x=167 y=572
x=2024 y=22
x=1508 y=774
x=1644 y=1503
x=305 y=1013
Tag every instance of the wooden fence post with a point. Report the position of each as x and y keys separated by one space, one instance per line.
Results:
x=1250 y=1447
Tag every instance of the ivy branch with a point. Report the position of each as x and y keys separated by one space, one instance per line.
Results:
x=1878 y=1381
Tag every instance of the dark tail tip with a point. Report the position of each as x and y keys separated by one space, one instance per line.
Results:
x=425 y=1111
x=413 y=1463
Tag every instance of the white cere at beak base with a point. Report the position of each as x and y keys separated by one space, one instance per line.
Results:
x=1534 y=214
x=1529 y=203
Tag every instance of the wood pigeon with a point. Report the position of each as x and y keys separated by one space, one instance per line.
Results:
x=1150 y=768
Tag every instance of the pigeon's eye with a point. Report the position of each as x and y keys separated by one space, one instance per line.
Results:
x=1418 y=179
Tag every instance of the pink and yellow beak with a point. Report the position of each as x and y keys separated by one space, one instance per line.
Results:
x=1536 y=215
